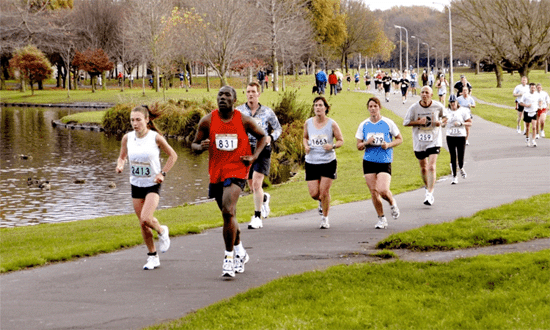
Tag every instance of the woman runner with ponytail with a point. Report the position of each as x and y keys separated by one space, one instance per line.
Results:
x=142 y=148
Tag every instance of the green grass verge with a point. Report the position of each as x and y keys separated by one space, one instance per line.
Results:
x=520 y=221
x=94 y=117
x=33 y=246
x=485 y=292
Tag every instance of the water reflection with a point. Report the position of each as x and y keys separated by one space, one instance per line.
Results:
x=63 y=155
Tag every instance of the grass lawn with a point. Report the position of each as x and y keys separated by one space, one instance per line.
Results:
x=485 y=292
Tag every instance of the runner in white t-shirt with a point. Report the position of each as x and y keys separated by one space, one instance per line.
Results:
x=425 y=118
x=467 y=102
x=541 y=112
x=518 y=92
x=530 y=103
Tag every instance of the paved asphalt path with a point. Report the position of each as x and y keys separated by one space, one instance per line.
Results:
x=111 y=291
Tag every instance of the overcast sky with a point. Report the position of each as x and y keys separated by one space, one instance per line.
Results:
x=387 y=4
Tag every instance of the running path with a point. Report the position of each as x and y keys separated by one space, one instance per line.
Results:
x=111 y=291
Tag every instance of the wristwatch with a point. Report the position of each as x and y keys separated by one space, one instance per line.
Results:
x=163 y=173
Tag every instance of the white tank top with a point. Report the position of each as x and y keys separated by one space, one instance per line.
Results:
x=143 y=155
x=317 y=139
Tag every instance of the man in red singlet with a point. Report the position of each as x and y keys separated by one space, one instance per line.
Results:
x=224 y=133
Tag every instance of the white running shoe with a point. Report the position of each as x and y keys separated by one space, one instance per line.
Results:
x=382 y=223
x=255 y=223
x=534 y=144
x=429 y=198
x=537 y=136
x=152 y=262
x=324 y=223
x=467 y=143
x=542 y=134
x=239 y=263
x=320 y=208
x=528 y=142
x=395 y=211
x=265 y=206
x=463 y=173
x=228 y=268
x=519 y=130
x=455 y=180
x=164 y=239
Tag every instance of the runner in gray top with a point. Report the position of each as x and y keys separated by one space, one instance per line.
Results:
x=425 y=119
x=319 y=135
x=266 y=118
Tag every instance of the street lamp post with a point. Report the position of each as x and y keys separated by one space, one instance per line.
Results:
x=417 y=52
x=428 y=63
x=407 y=41
x=400 y=49
x=450 y=41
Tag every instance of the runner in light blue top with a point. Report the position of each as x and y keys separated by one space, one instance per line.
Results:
x=378 y=135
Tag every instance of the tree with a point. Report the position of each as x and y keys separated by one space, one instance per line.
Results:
x=513 y=34
x=328 y=26
x=282 y=26
x=95 y=62
x=364 y=31
x=32 y=65
x=220 y=38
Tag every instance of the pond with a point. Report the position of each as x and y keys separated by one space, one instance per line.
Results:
x=62 y=156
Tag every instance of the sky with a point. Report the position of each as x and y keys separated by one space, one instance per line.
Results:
x=387 y=4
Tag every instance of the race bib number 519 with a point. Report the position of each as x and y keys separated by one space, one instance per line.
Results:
x=226 y=142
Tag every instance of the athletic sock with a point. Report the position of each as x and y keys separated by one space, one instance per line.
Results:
x=239 y=249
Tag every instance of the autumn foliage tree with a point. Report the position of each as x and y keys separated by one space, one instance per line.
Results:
x=94 y=62
x=32 y=65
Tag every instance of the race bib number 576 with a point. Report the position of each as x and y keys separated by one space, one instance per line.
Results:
x=226 y=142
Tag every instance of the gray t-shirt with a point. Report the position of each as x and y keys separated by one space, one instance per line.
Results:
x=317 y=139
x=428 y=136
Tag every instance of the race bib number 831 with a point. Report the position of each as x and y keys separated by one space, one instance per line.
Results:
x=226 y=142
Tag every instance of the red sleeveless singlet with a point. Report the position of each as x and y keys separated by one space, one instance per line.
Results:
x=228 y=142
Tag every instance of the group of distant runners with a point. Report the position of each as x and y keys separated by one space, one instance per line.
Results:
x=239 y=141
x=532 y=106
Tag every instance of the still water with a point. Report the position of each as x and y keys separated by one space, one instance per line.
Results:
x=63 y=155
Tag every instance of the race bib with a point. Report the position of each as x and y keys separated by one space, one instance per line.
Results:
x=141 y=171
x=455 y=131
x=226 y=142
x=403 y=86
x=378 y=138
x=318 y=140
x=425 y=137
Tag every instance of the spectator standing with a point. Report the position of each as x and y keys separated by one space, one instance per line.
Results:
x=424 y=78
x=321 y=79
x=431 y=79
x=333 y=82
x=261 y=77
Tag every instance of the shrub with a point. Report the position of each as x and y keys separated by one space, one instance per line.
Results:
x=288 y=109
x=117 y=118
x=288 y=154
